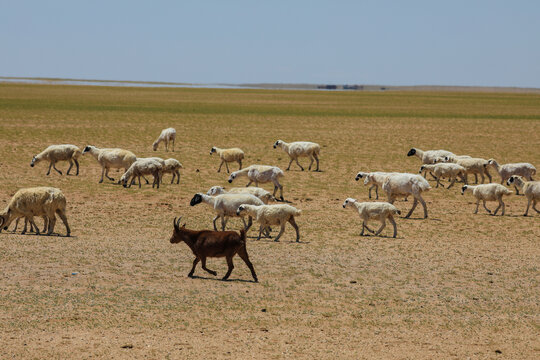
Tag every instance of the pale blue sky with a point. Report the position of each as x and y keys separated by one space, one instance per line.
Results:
x=489 y=43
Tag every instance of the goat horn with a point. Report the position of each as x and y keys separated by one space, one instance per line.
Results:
x=177 y=222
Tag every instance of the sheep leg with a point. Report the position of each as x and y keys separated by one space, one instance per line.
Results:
x=369 y=193
x=438 y=182
x=276 y=186
x=77 y=165
x=50 y=166
x=17 y=225
x=486 y=171
x=317 y=160
x=52 y=223
x=45 y=223
x=222 y=222
x=295 y=226
x=64 y=220
x=415 y=202
x=476 y=178
x=485 y=207
x=249 y=183
x=288 y=167
x=107 y=174
x=376 y=192
x=230 y=269
x=214 y=222
x=526 y=211
x=477 y=205
x=517 y=190
x=364 y=224
x=102 y=172
x=177 y=177
x=145 y=179
x=173 y=145
x=423 y=205
x=383 y=225
x=195 y=262
x=250 y=222
x=227 y=166
x=280 y=232
x=297 y=163
x=203 y=263
x=54 y=167
x=452 y=183
x=501 y=203
x=25 y=225
x=70 y=166
x=240 y=164
x=433 y=176
x=242 y=252
x=220 y=165
x=139 y=178
x=534 y=207
x=260 y=232
x=311 y=162
x=393 y=222
x=32 y=224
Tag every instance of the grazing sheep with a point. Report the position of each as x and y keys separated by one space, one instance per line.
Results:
x=111 y=158
x=505 y=171
x=531 y=190
x=429 y=156
x=300 y=149
x=207 y=243
x=403 y=184
x=262 y=194
x=55 y=153
x=374 y=210
x=445 y=170
x=474 y=166
x=267 y=215
x=261 y=174
x=37 y=201
x=141 y=167
x=225 y=206
x=375 y=179
x=173 y=166
x=167 y=135
x=227 y=156
x=488 y=192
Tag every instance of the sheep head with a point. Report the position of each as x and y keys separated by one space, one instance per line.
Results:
x=277 y=143
x=411 y=152
x=87 y=148
x=360 y=175
x=34 y=161
x=197 y=199
x=240 y=209
x=348 y=202
x=213 y=150
x=232 y=177
x=464 y=188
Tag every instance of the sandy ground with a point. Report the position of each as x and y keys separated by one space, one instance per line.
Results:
x=455 y=285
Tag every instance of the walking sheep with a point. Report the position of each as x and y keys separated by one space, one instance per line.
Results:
x=429 y=156
x=207 y=243
x=403 y=184
x=261 y=174
x=173 y=166
x=227 y=156
x=140 y=168
x=474 y=166
x=374 y=211
x=55 y=153
x=531 y=190
x=375 y=179
x=225 y=206
x=262 y=194
x=168 y=136
x=267 y=215
x=505 y=171
x=37 y=201
x=111 y=159
x=300 y=149
x=445 y=170
x=488 y=192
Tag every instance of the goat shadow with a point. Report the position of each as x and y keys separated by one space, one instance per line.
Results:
x=217 y=278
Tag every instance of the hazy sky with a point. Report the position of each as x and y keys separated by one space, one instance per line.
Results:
x=491 y=43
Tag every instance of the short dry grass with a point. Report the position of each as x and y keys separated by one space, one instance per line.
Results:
x=456 y=285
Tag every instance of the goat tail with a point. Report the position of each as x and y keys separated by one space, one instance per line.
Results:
x=243 y=235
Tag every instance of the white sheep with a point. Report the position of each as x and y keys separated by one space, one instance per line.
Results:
x=375 y=179
x=374 y=210
x=37 y=201
x=55 y=153
x=300 y=149
x=445 y=170
x=531 y=190
x=474 y=166
x=111 y=159
x=167 y=135
x=173 y=166
x=225 y=206
x=141 y=167
x=488 y=192
x=403 y=184
x=261 y=174
x=505 y=171
x=267 y=215
x=227 y=156
x=429 y=156
x=262 y=194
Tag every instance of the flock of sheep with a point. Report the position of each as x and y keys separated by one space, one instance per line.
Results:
x=254 y=202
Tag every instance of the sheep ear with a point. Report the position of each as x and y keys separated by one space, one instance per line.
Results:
x=184 y=226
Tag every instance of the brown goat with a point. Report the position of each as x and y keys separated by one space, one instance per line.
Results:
x=208 y=243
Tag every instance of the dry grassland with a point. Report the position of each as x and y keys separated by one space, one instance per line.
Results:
x=456 y=285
